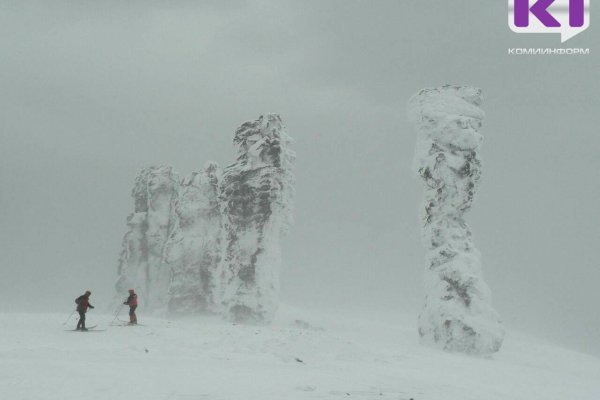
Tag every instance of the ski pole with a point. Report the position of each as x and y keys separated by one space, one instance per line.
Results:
x=117 y=314
x=64 y=323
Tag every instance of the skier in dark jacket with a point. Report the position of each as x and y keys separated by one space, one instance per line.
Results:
x=132 y=303
x=83 y=302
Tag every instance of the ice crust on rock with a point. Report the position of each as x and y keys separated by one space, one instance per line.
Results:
x=141 y=263
x=211 y=243
x=256 y=202
x=457 y=315
x=193 y=251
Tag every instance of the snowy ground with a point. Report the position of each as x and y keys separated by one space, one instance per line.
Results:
x=320 y=357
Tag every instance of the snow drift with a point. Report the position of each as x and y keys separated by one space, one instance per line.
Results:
x=303 y=355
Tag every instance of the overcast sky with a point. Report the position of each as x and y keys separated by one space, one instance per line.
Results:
x=91 y=92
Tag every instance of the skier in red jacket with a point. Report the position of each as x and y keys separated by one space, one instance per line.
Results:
x=83 y=302
x=132 y=303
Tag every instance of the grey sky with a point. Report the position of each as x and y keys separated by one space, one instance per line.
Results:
x=90 y=92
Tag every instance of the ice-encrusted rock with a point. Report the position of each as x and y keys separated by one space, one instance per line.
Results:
x=141 y=263
x=211 y=244
x=256 y=202
x=457 y=314
x=194 y=247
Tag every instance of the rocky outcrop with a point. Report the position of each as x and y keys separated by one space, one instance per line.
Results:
x=457 y=315
x=256 y=196
x=194 y=246
x=211 y=244
x=141 y=263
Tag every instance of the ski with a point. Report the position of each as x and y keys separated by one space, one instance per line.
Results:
x=125 y=323
x=90 y=329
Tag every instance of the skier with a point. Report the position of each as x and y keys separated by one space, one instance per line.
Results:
x=132 y=303
x=83 y=302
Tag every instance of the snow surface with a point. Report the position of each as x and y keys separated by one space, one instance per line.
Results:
x=303 y=355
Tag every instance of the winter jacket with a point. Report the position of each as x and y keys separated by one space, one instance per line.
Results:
x=131 y=300
x=83 y=302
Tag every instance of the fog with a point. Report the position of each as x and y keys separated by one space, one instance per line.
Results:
x=91 y=92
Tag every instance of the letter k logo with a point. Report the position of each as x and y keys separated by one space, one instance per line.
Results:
x=539 y=9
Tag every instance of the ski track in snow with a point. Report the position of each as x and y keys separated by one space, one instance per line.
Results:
x=303 y=355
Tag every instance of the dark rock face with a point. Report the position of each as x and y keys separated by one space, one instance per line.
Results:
x=256 y=193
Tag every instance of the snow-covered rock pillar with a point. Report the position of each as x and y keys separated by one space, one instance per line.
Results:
x=457 y=315
x=141 y=264
x=256 y=197
x=194 y=248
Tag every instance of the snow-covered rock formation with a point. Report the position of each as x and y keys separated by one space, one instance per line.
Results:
x=194 y=246
x=256 y=202
x=141 y=263
x=211 y=244
x=457 y=315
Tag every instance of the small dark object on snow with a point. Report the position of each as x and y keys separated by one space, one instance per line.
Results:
x=305 y=325
x=297 y=359
x=146 y=350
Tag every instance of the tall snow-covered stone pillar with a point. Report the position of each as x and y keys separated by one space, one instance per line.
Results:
x=457 y=315
x=193 y=250
x=256 y=198
x=141 y=263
